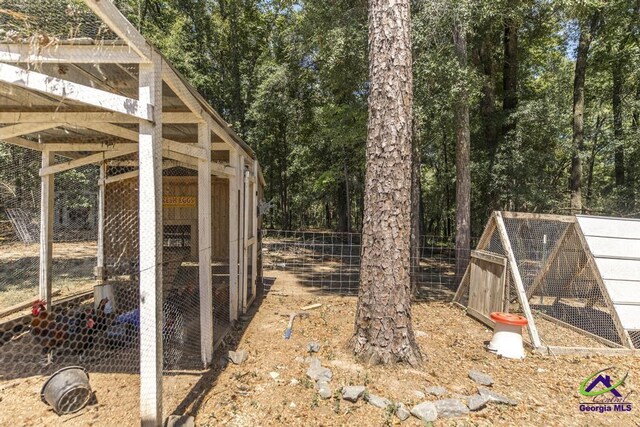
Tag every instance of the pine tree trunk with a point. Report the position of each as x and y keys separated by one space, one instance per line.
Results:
x=463 y=173
x=416 y=197
x=383 y=330
x=584 y=43
x=617 y=123
x=510 y=76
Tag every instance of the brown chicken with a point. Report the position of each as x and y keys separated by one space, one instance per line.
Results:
x=48 y=328
x=73 y=329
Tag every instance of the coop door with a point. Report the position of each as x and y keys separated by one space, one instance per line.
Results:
x=486 y=285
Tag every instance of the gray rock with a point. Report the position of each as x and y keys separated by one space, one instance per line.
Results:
x=378 y=401
x=324 y=390
x=480 y=377
x=436 y=391
x=312 y=361
x=449 y=408
x=425 y=411
x=313 y=347
x=180 y=421
x=223 y=362
x=420 y=334
x=318 y=373
x=420 y=395
x=238 y=357
x=352 y=393
x=496 y=397
x=477 y=402
x=402 y=412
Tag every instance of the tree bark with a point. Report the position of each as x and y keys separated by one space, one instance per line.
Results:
x=584 y=43
x=510 y=76
x=617 y=124
x=463 y=173
x=383 y=330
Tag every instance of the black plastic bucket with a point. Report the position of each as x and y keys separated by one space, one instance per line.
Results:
x=67 y=390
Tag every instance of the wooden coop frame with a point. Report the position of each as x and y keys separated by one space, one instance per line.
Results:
x=43 y=104
x=605 y=244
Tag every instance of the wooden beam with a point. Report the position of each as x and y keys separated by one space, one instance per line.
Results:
x=67 y=54
x=187 y=149
x=24 y=143
x=254 y=232
x=82 y=161
x=88 y=146
x=81 y=117
x=539 y=216
x=101 y=274
x=205 y=243
x=65 y=89
x=552 y=350
x=549 y=262
x=150 y=229
x=244 y=230
x=12 y=131
x=47 y=193
x=233 y=239
x=110 y=15
x=515 y=275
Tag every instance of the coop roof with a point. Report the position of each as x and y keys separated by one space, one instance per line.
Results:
x=615 y=246
x=69 y=82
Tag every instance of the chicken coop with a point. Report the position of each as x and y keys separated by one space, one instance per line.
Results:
x=575 y=278
x=129 y=222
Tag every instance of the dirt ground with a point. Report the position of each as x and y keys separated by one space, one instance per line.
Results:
x=73 y=264
x=249 y=395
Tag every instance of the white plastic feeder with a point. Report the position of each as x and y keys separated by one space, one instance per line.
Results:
x=507 y=335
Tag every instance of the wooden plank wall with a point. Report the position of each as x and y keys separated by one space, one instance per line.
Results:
x=121 y=217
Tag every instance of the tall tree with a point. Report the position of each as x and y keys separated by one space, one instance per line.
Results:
x=463 y=169
x=587 y=31
x=383 y=330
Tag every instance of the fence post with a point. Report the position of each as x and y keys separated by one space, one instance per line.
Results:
x=233 y=238
x=204 y=245
x=47 y=191
x=150 y=208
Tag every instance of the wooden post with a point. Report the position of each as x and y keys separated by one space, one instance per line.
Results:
x=150 y=208
x=245 y=231
x=254 y=233
x=100 y=271
x=47 y=192
x=515 y=274
x=204 y=245
x=233 y=239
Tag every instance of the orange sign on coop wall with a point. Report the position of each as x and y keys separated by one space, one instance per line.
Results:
x=179 y=201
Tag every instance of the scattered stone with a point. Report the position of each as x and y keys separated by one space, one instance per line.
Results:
x=312 y=361
x=450 y=408
x=293 y=405
x=402 y=412
x=180 y=421
x=420 y=334
x=299 y=359
x=496 y=397
x=425 y=411
x=294 y=382
x=378 y=401
x=541 y=370
x=318 y=373
x=436 y=391
x=238 y=357
x=313 y=347
x=420 y=395
x=324 y=390
x=223 y=362
x=477 y=402
x=480 y=377
x=352 y=393
x=274 y=375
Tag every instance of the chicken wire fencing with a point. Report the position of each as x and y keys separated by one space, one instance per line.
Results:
x=94 y=320
x=330 y=262
x=569 y=306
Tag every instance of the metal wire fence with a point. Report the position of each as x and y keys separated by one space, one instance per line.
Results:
x=330 y=261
